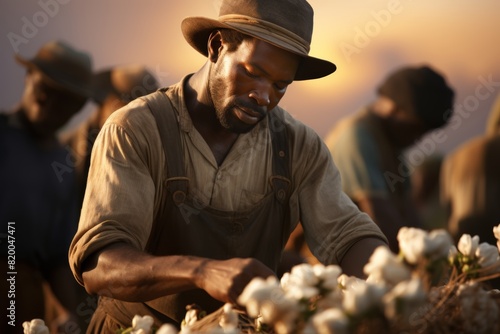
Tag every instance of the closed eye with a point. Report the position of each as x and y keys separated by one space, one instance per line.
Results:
x=250 y=74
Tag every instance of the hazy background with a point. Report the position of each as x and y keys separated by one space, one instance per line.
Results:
x=365 y=38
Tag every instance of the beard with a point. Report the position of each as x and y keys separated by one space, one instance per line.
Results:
x=224 y=108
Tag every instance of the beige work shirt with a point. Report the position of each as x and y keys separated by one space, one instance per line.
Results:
x=125 y=183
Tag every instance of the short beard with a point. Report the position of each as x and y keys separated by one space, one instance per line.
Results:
x=216 y=87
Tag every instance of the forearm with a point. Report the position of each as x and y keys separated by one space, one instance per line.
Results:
x=122 y=272
x=358 y=255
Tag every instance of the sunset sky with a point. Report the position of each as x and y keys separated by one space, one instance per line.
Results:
x=365 y=38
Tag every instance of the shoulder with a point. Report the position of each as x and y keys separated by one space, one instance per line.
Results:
x=131 y=128
x=300 y=136
x=133 y=116
x=467 y=151
x=349 y=134
x=471 y=155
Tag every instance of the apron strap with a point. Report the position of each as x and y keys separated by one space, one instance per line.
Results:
x=280 y=181
x=167 y=122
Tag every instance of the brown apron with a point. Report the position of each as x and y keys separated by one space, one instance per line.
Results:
x=185 y=228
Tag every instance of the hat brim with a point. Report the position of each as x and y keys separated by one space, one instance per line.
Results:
x=196 y=31
x=58 y=80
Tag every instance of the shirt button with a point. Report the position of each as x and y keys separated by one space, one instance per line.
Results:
x=237 y=228
x=219 y=176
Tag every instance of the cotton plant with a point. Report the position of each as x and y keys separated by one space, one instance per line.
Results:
x=328 y=321
x=404 y=299
x=478 y=309
x=229 y=321
x=416 y=244
x=300 y=283
x=35 y=326
x=258 y=292
x=496 y=233
x=426 y=252
x=318 y=299
x=385 y=268
x=193 y=314
x=167 y=329
x=363 y=298
x=317 y=283
x=140 y=325
x=474 y=259
x=290 y=303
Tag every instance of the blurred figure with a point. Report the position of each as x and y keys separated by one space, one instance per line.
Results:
x=471 y=183
x=425 y=181
x=368 y=147
x=114 y=88
x=37 y=199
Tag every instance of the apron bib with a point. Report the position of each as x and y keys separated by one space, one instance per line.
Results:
x=185 y=228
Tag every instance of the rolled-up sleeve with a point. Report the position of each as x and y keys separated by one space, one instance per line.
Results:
x=121 y=192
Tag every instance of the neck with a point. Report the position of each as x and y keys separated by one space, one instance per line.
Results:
x=197 y=94
x=203 y=115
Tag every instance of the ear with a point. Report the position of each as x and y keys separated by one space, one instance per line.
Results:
x=214 y=46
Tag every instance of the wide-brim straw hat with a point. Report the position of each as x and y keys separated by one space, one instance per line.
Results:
x=63 y=66
x=287 y=24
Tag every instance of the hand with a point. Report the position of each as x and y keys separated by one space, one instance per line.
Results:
x=225 y=280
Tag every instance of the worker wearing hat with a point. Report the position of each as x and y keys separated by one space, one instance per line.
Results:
x=113 y=88
x=368 y=147
x=193 y=190
x=41 y=206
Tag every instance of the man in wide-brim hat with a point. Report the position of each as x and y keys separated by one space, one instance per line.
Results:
x=114 y=87
x=193 y=190
x=58 y=83
x=37 y=189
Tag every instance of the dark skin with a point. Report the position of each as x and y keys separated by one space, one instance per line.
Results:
x=229 y=95
x=46 y=107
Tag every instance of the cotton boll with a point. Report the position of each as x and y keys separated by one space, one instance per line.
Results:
x=35 y=326
x=331 y=321
x=167 y=329
x=360 y=298
x=229 y=320
x=142 y=325
x=438 y=245
x=385 y=268
x=488 y=257
x=412 y=243
x=404 y=299
x=328 y=275
x=467 y=245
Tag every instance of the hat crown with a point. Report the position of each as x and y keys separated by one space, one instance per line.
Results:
x=286 y=24
x=295 y=16
x=65 y=66
x=422 y=91
x=65 y=59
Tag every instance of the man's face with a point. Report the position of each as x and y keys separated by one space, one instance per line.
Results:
x=249 y=82
x=46 y=107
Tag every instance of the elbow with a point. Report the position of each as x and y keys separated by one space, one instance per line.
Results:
x=90 y=282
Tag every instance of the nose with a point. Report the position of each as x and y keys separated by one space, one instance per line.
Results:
x=261 y=97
